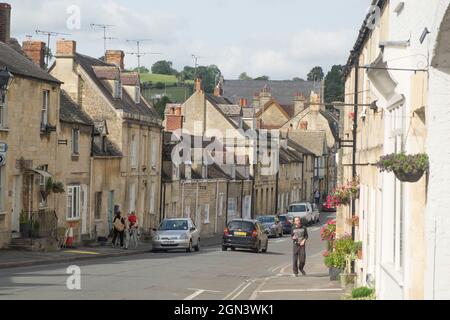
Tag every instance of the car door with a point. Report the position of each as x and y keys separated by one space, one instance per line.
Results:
x=195 y=234
x=310 y=213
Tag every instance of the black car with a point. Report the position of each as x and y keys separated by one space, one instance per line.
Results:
x=245 y=234
x=286 y=223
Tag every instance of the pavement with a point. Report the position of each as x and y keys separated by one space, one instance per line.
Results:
x=206 y=275
x=14 y=259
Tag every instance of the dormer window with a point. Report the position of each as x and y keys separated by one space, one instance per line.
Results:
x=205 y=172
x=117 y=89
x=137 y=97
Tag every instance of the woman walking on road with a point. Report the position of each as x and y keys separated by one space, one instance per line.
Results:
x=299 y=236
x=132 y=230
x=119 y=229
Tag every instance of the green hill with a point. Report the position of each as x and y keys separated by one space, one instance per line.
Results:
x=161 y=78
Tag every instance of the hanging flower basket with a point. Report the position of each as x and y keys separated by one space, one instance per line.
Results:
x=407 y=168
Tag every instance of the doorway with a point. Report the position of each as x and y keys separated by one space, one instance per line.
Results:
x=17 y=207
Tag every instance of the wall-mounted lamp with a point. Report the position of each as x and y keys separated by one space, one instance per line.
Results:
x=374 y=106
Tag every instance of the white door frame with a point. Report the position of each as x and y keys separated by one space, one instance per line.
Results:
x=84 y=209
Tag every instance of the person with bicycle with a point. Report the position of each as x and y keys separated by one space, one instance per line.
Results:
x=133 y=230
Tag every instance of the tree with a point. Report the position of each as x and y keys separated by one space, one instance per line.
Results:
x=244 y=76
x=208 y=75
x=160 y=105
x=316 y=74
x=141 y=70
x=163 y=67
x=263 y=78
x=334 y=84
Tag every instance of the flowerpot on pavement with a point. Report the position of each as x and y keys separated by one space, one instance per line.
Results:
x=334 y=273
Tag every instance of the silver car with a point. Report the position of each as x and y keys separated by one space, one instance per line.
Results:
x=315 y=213
x=272 y=226
x=175 y=234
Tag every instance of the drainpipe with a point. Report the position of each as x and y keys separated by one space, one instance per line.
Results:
x=355 y=130
x=217 y=207
x=242 y=198
x=277 y=186
x=228 y=194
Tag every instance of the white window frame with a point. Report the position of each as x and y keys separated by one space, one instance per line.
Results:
x=73 y=202
x=3 y=109
x=42 y=185
x=133 y=152
x=45 y=108
x=76 y=141
x=154 y=153
x=206 y=212
x=137 y=97
x=232 y=207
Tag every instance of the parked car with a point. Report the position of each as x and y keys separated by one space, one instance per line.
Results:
x=272 y=226
x=286 y=221
x=302 y=210
x=245 y=234
x=176 y=234
x=315 y=213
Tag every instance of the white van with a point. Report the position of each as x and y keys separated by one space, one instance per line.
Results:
x=303 y=210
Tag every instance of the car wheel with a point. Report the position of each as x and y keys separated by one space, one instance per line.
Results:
x=233 y=249
x=197 y=247
x=224 y=248
x=257 y=249
x=266 y=247
x=189 y=250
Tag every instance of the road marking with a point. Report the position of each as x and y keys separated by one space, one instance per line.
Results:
x=197 y=293
x=235 y=290
x=82 y=252
x=299 y=290
x=242 y=290
x=273 y=269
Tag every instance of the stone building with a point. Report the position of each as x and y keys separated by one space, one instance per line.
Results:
x=29 y=130
x=111 y=97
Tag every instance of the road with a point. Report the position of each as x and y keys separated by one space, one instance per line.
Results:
x=208 y=275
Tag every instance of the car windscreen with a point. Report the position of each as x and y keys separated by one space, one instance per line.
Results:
x=297 y=208
x=241 y=225
x=174 y=225
x=266 y=219
x=283 y=218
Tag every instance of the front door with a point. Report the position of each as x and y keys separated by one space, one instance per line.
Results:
x=110 y=209
x=17 y=206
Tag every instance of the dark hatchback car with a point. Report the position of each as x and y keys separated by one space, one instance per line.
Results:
x=245 y=234
x=286 y=223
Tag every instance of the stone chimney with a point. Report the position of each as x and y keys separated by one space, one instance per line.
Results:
x=66 y=49
x=35 y=50
x=174 y=118
x=5 y=22
x=256 y=103
x=315 y=102
x=299 y=103
x=198 y=85
x=115 y=57
x=265 y=96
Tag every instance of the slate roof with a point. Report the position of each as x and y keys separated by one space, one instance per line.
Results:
x=310 y=140
x=282 y=91
x=70 y=112
x=20 y=65
x=127 y=104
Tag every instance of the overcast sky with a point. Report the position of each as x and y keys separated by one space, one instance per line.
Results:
x=279 y=38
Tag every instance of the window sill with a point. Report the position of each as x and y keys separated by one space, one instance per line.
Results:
x=75 y=156
x=73 y=219
x=4 y=130
x=3 y=213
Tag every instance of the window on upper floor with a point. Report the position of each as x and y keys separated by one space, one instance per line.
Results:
x=117 y=89
x=75 y=141
x=3 y=109
x=45 y=109
x=133 y=152
x=137 y=97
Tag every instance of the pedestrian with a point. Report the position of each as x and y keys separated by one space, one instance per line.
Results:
x=317 y=197
x=119 y=229
x=132 y=230
x=299 y=236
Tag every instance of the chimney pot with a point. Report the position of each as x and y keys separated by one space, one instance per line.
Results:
x=35 y=50
x=115 y=57
x=5 y=22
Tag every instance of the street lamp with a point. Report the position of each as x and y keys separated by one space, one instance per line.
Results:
x=6 y=79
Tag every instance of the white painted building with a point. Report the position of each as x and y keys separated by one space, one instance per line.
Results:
x=404 y=226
